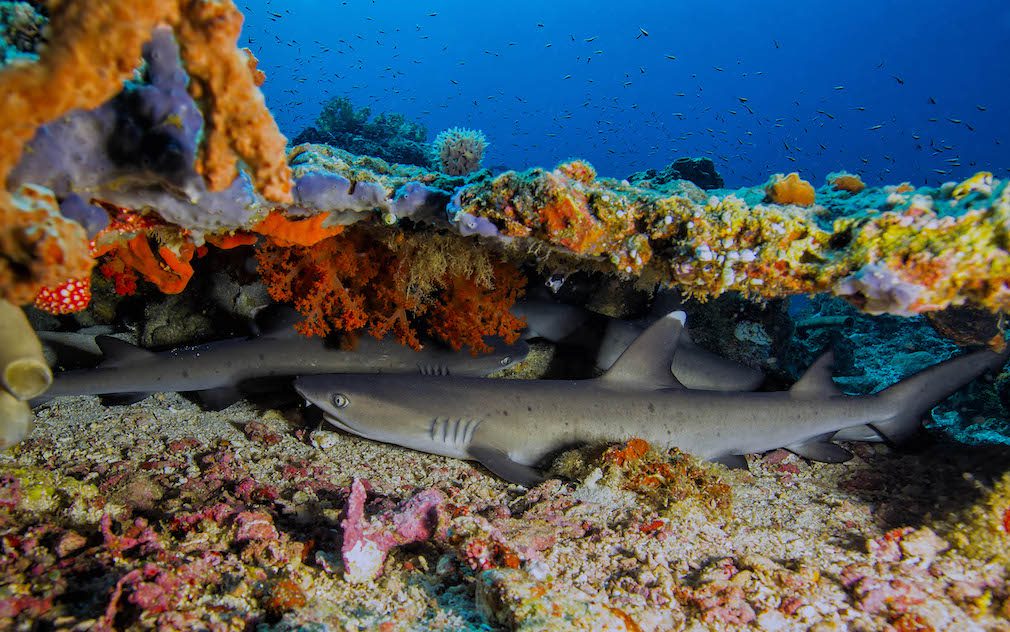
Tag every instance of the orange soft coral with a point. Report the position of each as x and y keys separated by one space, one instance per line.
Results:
x=326 y=282
x=790 y=189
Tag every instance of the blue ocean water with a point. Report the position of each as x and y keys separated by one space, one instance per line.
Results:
x=900 y=90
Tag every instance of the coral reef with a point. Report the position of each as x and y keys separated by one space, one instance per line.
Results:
x=159 y=514
x=459 y=151
x=21 y=27
x=672 y=484
x=367 y=542
x=983 y=530
x=389 y=136
x=80 y=66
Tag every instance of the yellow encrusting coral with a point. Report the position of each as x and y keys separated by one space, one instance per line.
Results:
x=983 y=531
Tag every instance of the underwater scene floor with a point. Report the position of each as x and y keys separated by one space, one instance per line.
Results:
x=162 y=515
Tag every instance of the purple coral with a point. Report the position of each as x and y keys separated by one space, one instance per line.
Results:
x=319 y=191
x=881 y=290
x=367 y=542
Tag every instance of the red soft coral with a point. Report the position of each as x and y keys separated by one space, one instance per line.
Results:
x=465 y=312
x=353 y=280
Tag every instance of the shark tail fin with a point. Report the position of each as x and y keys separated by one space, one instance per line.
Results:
x=912 y=398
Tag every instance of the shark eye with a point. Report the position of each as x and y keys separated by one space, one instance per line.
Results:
x=340 y=400
x=505 y=361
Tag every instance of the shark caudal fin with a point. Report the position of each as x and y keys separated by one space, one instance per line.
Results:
x=913 y=397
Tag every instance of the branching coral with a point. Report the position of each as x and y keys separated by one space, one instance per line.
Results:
x=354 y=281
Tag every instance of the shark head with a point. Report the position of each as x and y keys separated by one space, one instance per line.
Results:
x=385 y=408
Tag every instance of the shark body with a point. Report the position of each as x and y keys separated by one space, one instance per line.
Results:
x=511 y=426
x=217 y=369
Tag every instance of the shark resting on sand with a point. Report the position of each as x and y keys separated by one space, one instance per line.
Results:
x=215 y=371
x=511 y=426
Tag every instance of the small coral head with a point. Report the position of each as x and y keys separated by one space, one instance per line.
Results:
x=67 y=298
x=459 y=151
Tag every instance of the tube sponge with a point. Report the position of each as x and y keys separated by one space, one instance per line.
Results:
x=24 y=372
x=16 y=420
x=459 y=151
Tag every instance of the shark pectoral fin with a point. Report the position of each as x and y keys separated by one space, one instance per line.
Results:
x=820 y=449
x=858 y=433
x=502 y=466
x=116 y=352
x=732 y=461
x=646 y=363
x=816 y=382
x=216 y=398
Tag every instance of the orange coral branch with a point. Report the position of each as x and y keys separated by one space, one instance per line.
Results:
x=231 y=240
x=296 y=232
x=237 y=123
x=168 y=270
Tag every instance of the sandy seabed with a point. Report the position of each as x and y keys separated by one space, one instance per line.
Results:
x=162 y=515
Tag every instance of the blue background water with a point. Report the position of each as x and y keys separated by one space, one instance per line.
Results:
x=551 y=80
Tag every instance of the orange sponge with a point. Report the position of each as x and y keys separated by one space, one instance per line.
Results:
x=790 y=189
x=842 y=181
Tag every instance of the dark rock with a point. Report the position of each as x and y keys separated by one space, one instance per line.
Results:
x=700 y=171
x=966 y=325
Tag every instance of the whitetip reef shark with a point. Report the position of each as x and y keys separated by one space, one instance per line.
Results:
x=215 y=371
x=511 y=426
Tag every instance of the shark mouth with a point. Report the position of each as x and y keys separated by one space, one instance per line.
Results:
x=340 y=424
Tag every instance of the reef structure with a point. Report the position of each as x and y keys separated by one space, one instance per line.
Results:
x=173 y=186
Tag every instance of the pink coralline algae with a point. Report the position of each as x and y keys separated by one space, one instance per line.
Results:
x=368 y=541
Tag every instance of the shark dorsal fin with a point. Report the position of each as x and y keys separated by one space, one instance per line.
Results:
x=816 y=381
x=646 y=363
x=118 y=352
